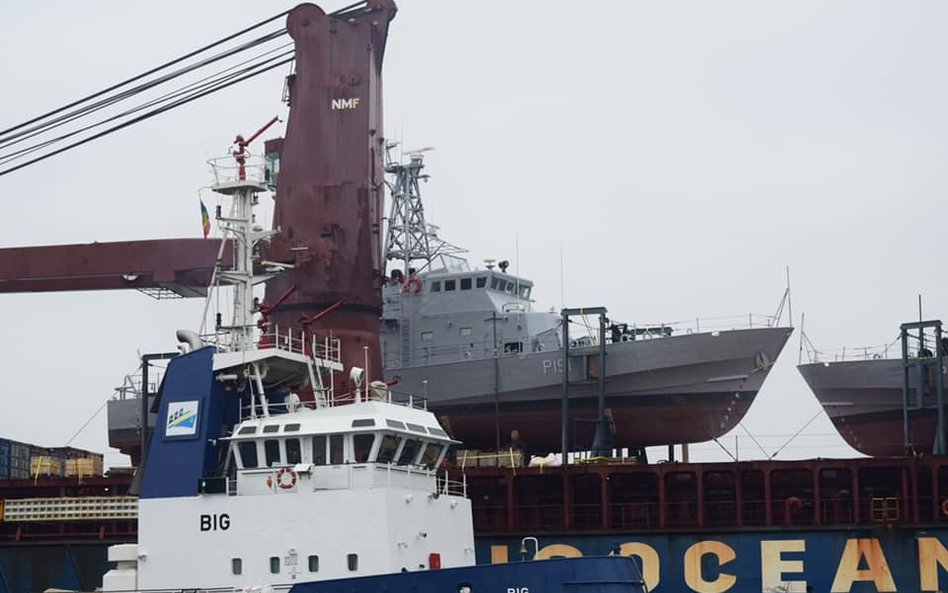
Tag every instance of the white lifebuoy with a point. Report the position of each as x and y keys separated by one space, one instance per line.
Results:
x=285 y=478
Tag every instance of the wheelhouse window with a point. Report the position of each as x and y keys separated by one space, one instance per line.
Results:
x=513 y=347
x=319 y=450
x=465 y=331
x=387 y=448
x=450 y=284
x=430 y=457
x=271 y=450
x=480 y=281
x=409 y=452
x=336 y=455
x=293 y=453
x=436 y=286
x=362 y=447
x=427 y=336
x=465 y=284
x=525 y=292
x=248 y=453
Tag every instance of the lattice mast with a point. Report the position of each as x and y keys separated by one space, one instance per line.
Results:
x=410 y=241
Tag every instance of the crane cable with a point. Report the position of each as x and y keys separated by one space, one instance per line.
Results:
x=148 y=115
x=197 y=90
x=71 y=116
x=194 y=87
x=144 y=74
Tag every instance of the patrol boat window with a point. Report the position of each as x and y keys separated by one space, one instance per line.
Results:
x=436 y=286
x=449 y=284
x=465 y=284
x=481 y=282
x=248 y=454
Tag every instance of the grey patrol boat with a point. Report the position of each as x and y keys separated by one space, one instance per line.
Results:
x=471 y=342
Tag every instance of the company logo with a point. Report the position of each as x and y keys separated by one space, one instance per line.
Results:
x=182 y=419
x=345 y=103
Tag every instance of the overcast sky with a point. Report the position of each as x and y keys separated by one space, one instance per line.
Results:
x=680 y=155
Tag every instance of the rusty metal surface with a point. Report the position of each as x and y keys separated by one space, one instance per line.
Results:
x=181 y=265
x=331 y=184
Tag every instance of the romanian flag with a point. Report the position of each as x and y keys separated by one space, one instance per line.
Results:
x=205 y=220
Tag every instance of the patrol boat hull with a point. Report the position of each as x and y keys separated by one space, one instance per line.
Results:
x=863 y=398
x=676 y=389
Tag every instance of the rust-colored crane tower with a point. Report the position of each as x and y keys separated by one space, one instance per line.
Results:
x=330 y=189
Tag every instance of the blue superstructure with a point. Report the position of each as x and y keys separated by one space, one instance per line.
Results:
x=182 y=452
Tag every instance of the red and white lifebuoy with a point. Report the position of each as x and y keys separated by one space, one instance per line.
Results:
x=413 y=285
x=944 y=507
x=285 y=478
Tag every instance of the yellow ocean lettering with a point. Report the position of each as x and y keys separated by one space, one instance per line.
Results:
x=932 y=554
x=557 y=551
x=651 y=565
x=693 y=576
x=877 y=569
x=773 y=566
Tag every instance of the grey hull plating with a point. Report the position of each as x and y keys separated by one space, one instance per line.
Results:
x=685 y=388
x=863 y=398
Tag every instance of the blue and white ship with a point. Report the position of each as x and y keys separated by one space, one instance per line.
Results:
x=257 y=478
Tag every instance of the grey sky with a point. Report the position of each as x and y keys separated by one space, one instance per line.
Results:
x=679 y=154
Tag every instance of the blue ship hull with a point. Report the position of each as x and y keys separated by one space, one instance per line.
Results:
x=898 y=559
x=599 y=574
